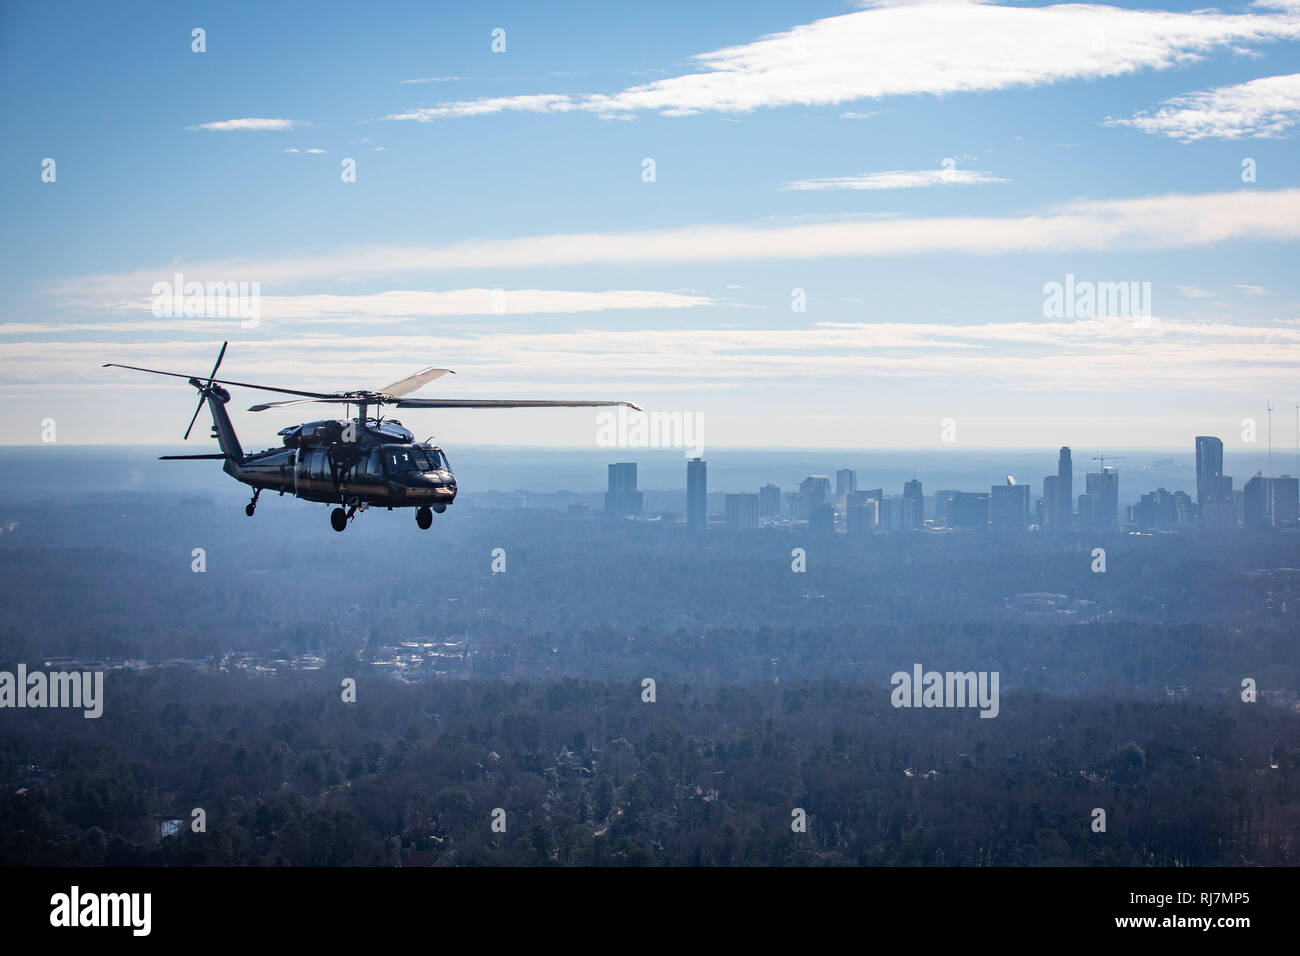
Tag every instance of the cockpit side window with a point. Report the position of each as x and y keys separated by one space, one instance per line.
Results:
x=436 y=459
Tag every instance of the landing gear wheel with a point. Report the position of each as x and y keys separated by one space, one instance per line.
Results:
x=423 y=517
x=249 y=509
x=339 y=519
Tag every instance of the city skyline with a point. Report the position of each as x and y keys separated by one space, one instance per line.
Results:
x=1007 y=507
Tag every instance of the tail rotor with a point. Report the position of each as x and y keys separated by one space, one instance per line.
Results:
x=203 y=389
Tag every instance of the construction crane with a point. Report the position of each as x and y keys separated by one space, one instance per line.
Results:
x=1102 y=459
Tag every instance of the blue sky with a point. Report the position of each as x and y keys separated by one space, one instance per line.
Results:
x=1010 y=145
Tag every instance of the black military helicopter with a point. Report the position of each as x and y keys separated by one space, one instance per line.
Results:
x=356 y=463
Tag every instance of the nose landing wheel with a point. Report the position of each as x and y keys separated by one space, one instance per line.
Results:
x=339 y=519
x=423 y=517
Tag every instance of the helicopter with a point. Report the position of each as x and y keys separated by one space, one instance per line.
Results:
x=355 y=464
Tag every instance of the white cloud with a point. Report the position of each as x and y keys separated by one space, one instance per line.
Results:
x=1251 y=289
x=1158 y=222
x=1262 y=109
x=407 y=305
x=1084 y=355
x=898 y=49
x=431 y=79
x=898 y=179
x=250 y=124
x=1193 y=292
x=308 y=151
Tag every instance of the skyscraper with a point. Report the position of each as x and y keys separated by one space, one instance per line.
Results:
x=1009 y=507
x=813 y=491
x=742 y=511
x=1209 y=472
x=821 y=520
x=697 y=493
x=1063 y=494
x=1051 y=503
x=846 y=480
x=970 y=510
x=912 y=492
x=622 y=498
x=769 y=501
x=1269 y=502
x=1103 y=492
x=860 y=513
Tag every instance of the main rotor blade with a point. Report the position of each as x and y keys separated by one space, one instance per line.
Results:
x=499 y=403
x=332 y=399
x=220 y=356
x=404 y=386
x=195 y=417
x=224 y=381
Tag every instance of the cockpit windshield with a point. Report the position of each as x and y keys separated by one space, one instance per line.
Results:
x=403 y=458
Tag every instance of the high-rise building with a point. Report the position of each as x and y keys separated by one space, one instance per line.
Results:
x=860 y=507
x=912 y=492
x=1269 y=502
x=970 y=510
x=1286 y=500
x=1103 y=489
x=943 y=507
x=1009 y=507
x=622 y=498
x=742 y=511
x=1161 y=509
x=897 y=513
x=878 y=496
x=1209 y=472
x=1051 y=505
x=769 y=501
x=1087 y=511
x=697 y=493
x=821 y=520
x=813 y=491
x=1063 y=518
x=860 y=513
x=846 y=480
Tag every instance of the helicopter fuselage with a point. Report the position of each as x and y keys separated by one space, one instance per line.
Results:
x=369 y=464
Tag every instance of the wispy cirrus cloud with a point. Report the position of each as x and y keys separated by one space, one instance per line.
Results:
x=409 y=305
x=1265 y=108
x=1085 y=355
x=250 y=123
x=1173 y=221
x=906 y=48
x=430 y=79
x=898 y=179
